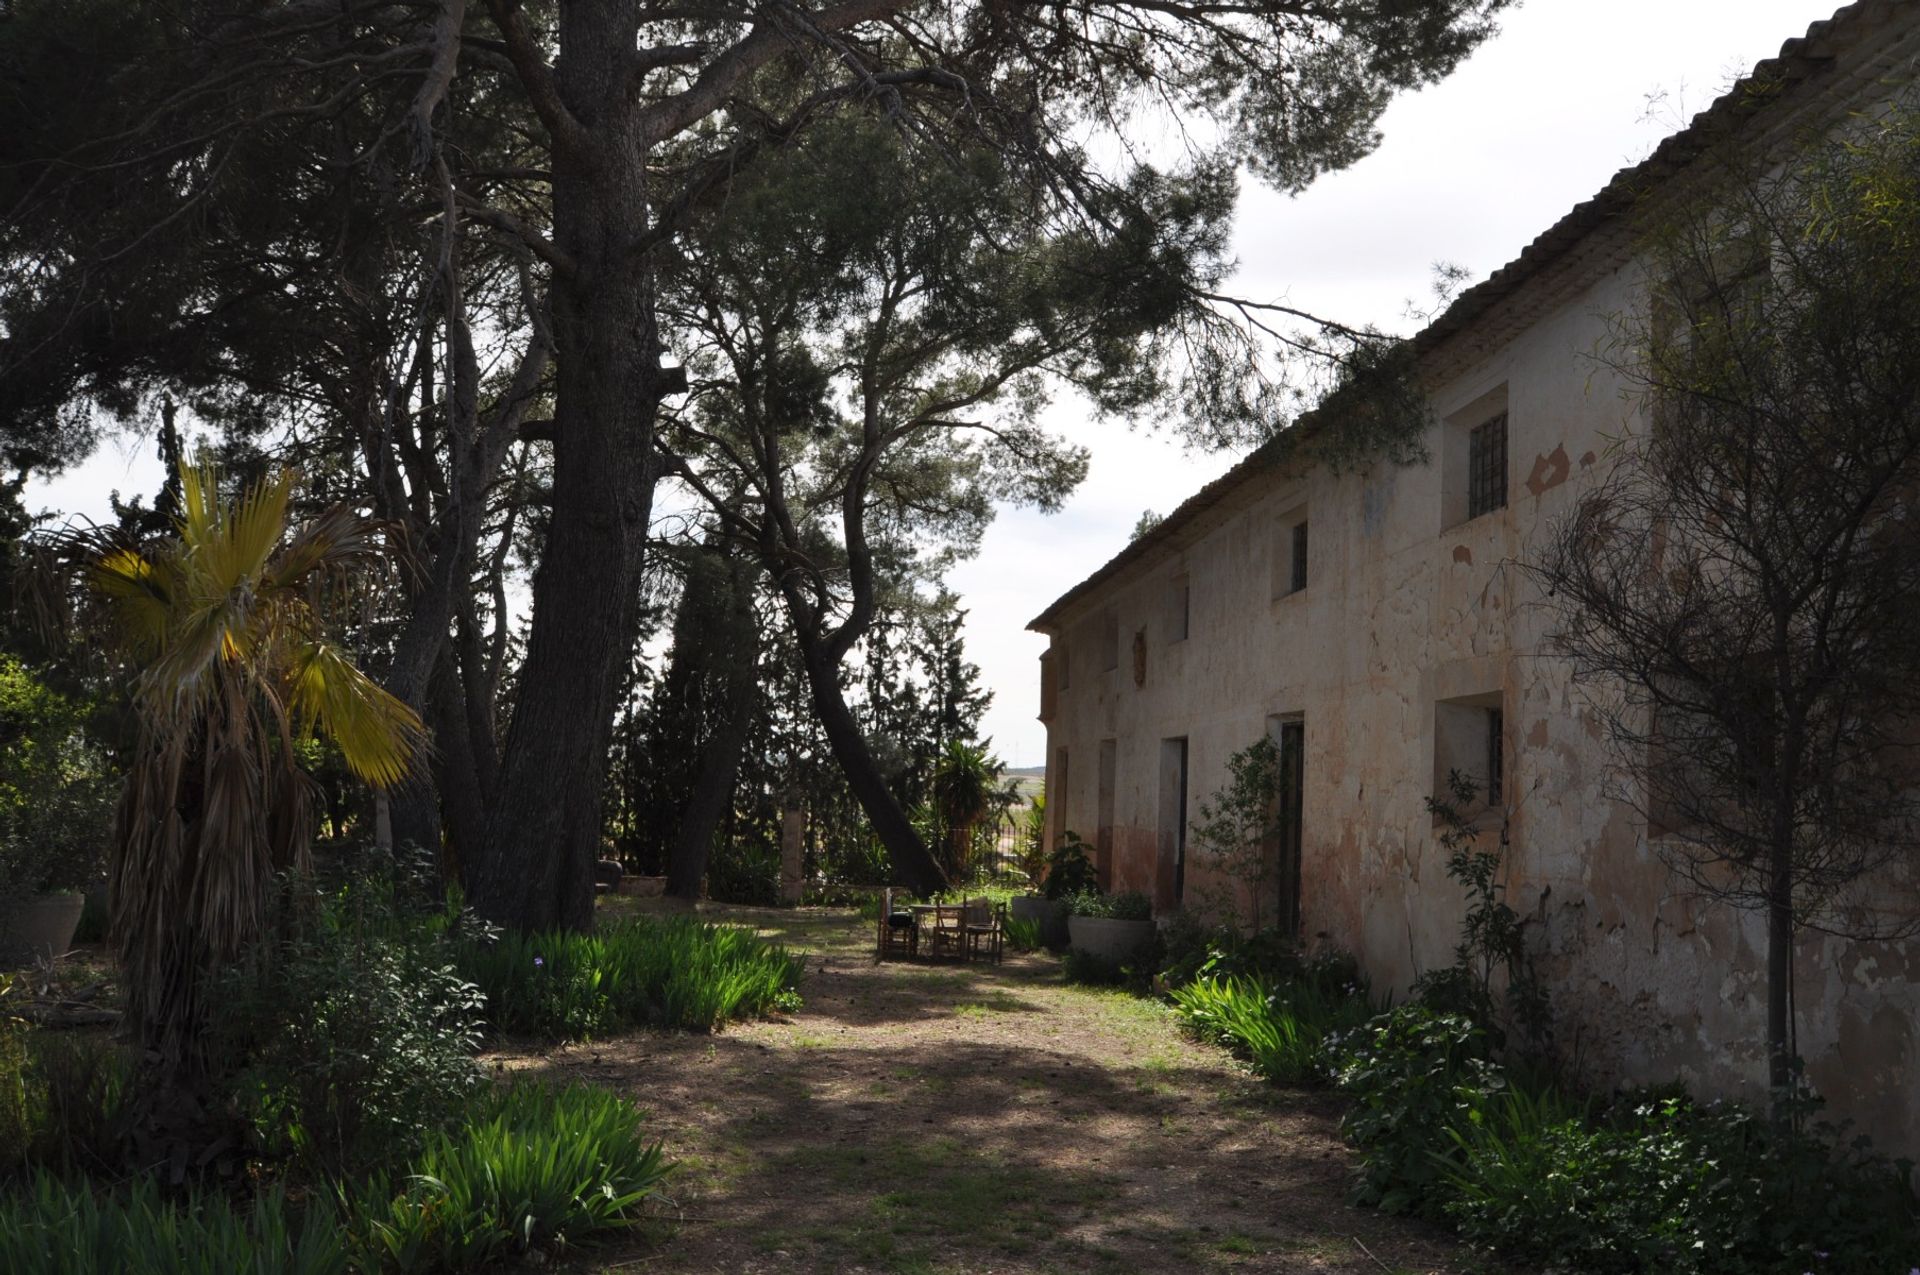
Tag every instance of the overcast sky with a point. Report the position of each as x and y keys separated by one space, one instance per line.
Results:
x=1469 y=172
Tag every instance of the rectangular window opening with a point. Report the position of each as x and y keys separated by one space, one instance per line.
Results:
x=1487 y=467
x=1469 y=740
x=1298 y=580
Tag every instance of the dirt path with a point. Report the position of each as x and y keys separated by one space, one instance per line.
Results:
x=916 y=1118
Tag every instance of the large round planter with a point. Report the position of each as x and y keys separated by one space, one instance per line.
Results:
x=38 y=927
x=1049 y=914
x=1107 y=938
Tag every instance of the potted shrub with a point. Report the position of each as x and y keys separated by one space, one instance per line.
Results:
x=1067 y=871
x=56 y=814
x=1110 y=926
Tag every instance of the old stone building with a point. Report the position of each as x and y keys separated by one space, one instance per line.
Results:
x=1373 y=623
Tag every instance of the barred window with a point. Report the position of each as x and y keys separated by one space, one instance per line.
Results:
x=1487 y=467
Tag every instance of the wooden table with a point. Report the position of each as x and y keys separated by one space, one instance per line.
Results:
x=948 y=923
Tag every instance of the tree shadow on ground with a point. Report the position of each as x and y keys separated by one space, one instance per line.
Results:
x=980 y=1118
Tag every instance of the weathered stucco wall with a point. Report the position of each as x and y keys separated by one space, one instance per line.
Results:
x=1402 y=613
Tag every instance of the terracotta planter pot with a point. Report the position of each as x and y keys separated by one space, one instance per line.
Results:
x=1107 y=938
x=38 y=927
x=1049 y=914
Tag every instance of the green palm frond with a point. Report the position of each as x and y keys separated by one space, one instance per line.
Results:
x=140 y=591
x=377 y=734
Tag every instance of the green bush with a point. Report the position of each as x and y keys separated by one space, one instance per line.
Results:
x=58 y=788
x=536 y=1168
x=1665 y=1185
x=1128 y=905
x=1656 y=1184
x=354 y=1037
x=743 y=872
x=1195 y=949
x=668 y=972
x=1412 y=1075
x=51 y=1227
x=1070 y=868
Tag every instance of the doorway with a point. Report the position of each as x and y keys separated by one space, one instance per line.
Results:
x=1173 y=821
x=1290 y=735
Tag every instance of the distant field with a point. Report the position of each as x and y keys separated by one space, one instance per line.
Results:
x=1030 y=785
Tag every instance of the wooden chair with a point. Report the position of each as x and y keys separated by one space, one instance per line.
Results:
x=947 y=935
x=898 y=932
x=983 y=927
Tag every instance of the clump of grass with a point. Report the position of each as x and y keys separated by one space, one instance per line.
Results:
x=670 y=972
x=1280 y=1029
x=1023 y=935
x=63 y=1101
x=537 y=1168
x=53 y=1227
x=533 y=1168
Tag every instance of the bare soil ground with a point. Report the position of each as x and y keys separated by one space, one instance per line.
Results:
x=978 y=1118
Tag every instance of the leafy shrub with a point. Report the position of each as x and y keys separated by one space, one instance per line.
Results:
x=1237 y=823
x=743 y=872
x=1412 y=1075
x=1282 y=1030
x=666 y=972
x=50 y=1227
x=57 y=788
x=1070 y=868
x=1128 y=905
x=1492 y=938
x=1195 y=949
x=536 y=1168
x=1667 y=1185
x=354 y=1037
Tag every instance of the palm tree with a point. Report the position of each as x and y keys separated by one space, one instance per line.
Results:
x=227 y=621
x=965 y=785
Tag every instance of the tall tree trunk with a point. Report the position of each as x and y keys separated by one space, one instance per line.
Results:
x=912 y=863
x=543 y=831
x=719 y=765
x=712 y=793
x=1780 y=929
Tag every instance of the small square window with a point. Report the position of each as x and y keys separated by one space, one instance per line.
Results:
x=1487 y=467
x=1298 y=579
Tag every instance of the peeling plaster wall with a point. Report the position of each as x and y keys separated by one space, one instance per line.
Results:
x=1399 y=614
